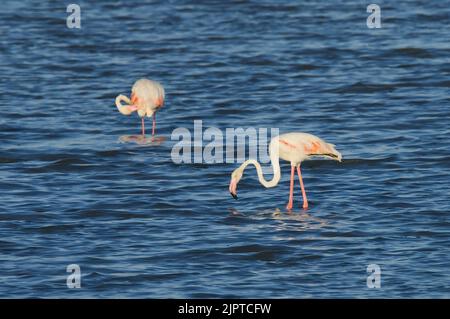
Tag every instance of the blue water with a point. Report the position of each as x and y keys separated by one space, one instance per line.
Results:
x=140 y=226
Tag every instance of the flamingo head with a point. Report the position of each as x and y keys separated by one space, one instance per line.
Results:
x=136 y=101
x=235 y=178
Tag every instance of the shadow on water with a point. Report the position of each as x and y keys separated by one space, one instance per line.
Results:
x=142 y=140
x=301 y=220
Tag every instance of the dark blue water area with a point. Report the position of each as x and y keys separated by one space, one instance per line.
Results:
x=141 y=226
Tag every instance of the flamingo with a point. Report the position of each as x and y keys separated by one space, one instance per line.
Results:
x=147 y=97
x=295 y=148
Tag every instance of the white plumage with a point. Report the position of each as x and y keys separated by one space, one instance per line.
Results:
x=149 y=95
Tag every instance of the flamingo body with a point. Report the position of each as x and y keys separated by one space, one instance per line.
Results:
x=297 y=147
x=294 y=148
x=148 y=96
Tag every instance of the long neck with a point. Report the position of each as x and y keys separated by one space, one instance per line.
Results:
x=121 y=98
x=124 y=109
x=275 y=166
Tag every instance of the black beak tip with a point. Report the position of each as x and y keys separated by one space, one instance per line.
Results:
x=234 y=195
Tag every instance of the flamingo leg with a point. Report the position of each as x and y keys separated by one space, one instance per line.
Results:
x=291 y=190
x=143 y=126
x=305 y=200
x=154 y=124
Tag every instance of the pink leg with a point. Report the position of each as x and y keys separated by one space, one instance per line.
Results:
x=291 y=190
x=143 y=127
x=305 y=200
x=154 y=124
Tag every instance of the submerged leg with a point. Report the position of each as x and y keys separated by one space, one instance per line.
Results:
x=305 y=200
x=143 y=126
x=154 y=124
x=291 y=189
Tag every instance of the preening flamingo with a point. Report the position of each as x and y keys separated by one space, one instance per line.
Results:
x=292 y=147
x=147 y=97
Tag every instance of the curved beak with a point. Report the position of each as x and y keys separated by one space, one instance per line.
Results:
x=232 y=188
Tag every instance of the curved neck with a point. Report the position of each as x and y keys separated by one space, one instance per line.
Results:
x=124 y=109
x=121 y=98
x=275 y=166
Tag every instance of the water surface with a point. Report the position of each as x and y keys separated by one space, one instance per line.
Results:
x=141 y=226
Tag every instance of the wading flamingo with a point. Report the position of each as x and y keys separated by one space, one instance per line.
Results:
x=147 y=97
x=292 y=147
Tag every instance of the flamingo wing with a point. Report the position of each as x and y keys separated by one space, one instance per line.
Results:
x=305 y=145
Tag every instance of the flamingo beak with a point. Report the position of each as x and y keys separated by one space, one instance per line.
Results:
x=232 y=188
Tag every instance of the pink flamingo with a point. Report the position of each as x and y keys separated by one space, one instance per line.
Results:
x=292 y=147
x=147 y=97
